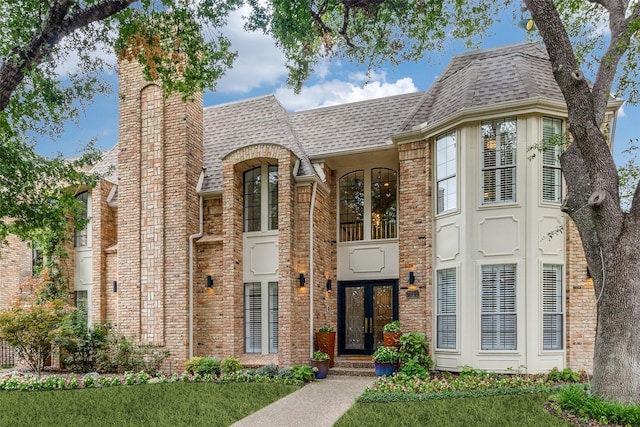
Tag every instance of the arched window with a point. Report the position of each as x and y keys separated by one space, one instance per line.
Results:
x=352 y=206
x=261 y=213
x=383 y=203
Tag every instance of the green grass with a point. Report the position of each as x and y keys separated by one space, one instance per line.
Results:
x=519 y=410
x=178 y=404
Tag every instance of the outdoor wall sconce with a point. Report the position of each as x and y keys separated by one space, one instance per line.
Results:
x=115 y=286
x=329 y=287
x=302 y=280
x=412 y=278
x=209 y=282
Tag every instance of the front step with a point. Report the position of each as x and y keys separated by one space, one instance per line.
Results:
x=357 y=367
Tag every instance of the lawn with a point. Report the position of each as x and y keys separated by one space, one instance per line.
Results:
x=177 y=404
x=519 y=410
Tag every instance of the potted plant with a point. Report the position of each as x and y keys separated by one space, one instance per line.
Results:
x=326 y=342
x=391 y=333
x=320 y=364
x=385 y=360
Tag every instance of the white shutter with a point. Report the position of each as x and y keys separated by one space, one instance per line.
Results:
x=498 y=307
x=446 y=309
x=553 y=331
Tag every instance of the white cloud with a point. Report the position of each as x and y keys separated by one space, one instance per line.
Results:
x=336 y=92
x=259 y=62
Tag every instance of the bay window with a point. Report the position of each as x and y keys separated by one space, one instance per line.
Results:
x=498 y=161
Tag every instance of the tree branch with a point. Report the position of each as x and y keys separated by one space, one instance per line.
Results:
x=57 y=24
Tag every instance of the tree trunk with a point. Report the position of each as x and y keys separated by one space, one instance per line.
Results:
x=616 y=363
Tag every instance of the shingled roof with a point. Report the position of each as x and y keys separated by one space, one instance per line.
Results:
x=488 y=77
x=477 y=79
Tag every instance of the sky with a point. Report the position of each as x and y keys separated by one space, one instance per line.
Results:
x=260 y=70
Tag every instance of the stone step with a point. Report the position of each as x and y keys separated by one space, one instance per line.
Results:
x=353 y=372
x=353 y=363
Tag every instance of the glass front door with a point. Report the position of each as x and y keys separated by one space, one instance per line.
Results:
x=364 y=308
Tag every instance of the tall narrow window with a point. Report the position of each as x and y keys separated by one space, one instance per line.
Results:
x=446 y=309
x=352 y=206
x=552 y=148
x=552 y=315
x=81 y=234
x=499 y=161
x=446 y=168
x=82 y=304
x=261 y=198
x=383 y=203
x=498 y=311
x=261 y=317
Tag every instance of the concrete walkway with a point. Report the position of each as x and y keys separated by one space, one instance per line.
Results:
x=318 y=404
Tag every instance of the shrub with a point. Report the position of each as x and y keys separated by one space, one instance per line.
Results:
x=414 y=369
x=203 y=366
x=326 y=328
x=386 y=355
x=567 y=375
x=80 y=345
x=230 y=365
x=303 y=373
x=576 y=400
x=122 y=354
x=270 y=371
x=414 y=349
x=285 y=373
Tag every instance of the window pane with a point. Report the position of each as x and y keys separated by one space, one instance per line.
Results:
x=553 y=330
x=446 y=309
x=80 y=236
x=552 y=148
x=498 y=307
x=273 y=317
x=252 y=194
x=383 y=203
x=499 y=139
x=82 y=304
x=273 y=197
x=446 y=169
x=352 y=206
x=253 y=317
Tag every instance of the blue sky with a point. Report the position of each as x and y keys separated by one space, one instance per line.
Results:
x=260 y=70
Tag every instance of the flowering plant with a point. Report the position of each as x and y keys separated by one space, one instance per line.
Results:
x=386 y=355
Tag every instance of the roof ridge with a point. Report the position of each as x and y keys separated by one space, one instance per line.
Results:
x=346 y=104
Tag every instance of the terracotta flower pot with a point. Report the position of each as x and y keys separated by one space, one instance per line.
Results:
x=391 y=339
x=326 y=342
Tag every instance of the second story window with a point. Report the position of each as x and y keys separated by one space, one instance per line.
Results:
x=446 y=168
x=81 y=236
x=368 y=204
x=260 y=198
x=552 y=148
x=383 y=203
x=498 y=161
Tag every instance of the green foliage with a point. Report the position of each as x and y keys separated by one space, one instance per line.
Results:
x=414 y=349
x=326 y=328
x=386 y=355
x=81 y=345
x=229 y=365
x=32 y=324
x=579 y=402
x=270 y=371
x=393 y=327
x=412 y=368
x=122 y=354
x=303 y=373
x=285 y=373
x=629 y=175
x=319 y=356
x=208 y=365
x=566 y=375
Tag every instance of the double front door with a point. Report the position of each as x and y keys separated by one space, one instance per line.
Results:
x=363 y=309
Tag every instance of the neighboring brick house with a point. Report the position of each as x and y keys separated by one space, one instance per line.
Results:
x=239 y=229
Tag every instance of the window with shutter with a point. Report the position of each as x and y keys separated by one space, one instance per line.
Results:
x=551 y=149
x=498 y=307
x=552 y=317
x=261 y=317
x=446 y=309
x=446 y=171
x=499 y=161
